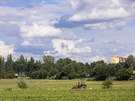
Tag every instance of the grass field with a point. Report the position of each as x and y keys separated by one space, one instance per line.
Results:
x=60 y=90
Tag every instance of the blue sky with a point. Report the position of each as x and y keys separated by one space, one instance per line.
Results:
x=83 y=30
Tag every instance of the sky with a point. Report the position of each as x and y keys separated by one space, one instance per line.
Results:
x=83 y=30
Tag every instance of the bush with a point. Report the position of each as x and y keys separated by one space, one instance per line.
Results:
x=107 y=83
x=22 y=83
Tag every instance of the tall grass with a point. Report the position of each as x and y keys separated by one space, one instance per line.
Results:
x=57 y=90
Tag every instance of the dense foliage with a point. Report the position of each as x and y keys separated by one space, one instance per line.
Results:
x=64 y=68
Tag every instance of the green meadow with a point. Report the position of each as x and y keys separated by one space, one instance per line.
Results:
x=61 y=90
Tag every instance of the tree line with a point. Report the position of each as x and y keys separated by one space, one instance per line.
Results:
x=65 y=68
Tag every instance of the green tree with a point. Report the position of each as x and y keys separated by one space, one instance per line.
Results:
x=2 y=64
x=48 y=63
x=83 y=74
x=111 y=69
x=53 y=71
x=37 y=65
x=30 y=66
x=100 y=71
x=40 y=74
x=9 y=72
x=48 y=59
x=63 y=62
x=88 y=69
x=9 y=63
x=20 y=65
x=123 y=74
x=73 y=75
x=130 y=61
x=68 y=69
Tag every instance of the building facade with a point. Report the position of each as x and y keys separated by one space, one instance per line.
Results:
x=117 y=59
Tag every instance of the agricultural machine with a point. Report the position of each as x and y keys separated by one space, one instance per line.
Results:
x=79 y=85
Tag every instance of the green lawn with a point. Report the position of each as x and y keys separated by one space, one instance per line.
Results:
x=60 y=90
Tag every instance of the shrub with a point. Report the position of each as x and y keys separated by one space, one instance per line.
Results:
x=107 y=83
x=22 y=83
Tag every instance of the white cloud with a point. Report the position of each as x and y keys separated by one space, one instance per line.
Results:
x=33 y=42
x=132 y=53
x=35 y=21
x=12 y=11
x=5 y=49
x=39 y=31
x=133 y=5
x=105 y=25
x=67 y=47
x=115 y=3
x=89 y=58
x=112 y=42
x=132 y=8
x=98 y=58
x=115 y=50
x=103 y=14
x=97 y=14
x=75 y=4
x=26 y=43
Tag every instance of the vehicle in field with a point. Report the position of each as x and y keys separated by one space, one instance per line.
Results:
x=79 y=85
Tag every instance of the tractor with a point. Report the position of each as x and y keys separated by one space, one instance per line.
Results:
x=79 y=85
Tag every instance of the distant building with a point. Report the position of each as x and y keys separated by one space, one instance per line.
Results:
x=117 y=59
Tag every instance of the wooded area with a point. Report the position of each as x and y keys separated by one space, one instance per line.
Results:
x=65 y=68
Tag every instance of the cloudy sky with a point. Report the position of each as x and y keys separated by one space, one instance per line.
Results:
x=83 y=30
